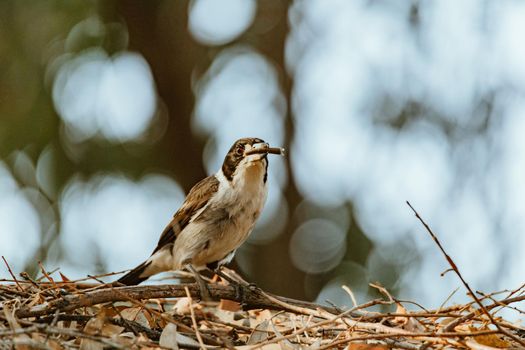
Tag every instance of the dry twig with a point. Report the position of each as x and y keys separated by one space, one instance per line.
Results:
x=456 y=270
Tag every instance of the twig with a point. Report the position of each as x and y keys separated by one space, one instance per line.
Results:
x=352 y=323
x=51 y=280
x=129 y=325
x=511 y=293
x=193 y=320
x=458 y=321
x=499 y=303
x=39 y=279
x=422 y=335
x=12 y=274
x=61 y=331
x=23 y=344
x=447 y=299
x=350 y=294
x=456 y=270
x=157 y=313
x=394 y=329
x=252 y=298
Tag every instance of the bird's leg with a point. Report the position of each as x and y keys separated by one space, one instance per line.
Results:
x=229 y=279
x=203 y=287
x=237 y=282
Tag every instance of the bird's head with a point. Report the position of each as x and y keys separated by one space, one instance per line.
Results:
x=247 y=152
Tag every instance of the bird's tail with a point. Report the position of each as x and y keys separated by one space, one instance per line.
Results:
x=135 y=276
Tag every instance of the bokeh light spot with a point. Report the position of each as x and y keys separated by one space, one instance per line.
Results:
x=19 y=223
x=113 y=96
x=115 y=219
x=317 y=246
x=218 y=22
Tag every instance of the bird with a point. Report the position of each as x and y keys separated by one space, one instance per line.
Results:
x=217 y=216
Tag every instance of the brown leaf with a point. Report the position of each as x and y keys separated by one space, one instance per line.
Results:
x=54 y=345
x=135 y=314
x=93 y=327
x=363 y=346
x=90 y=344
x=260 y=333
x=229 y=305
x=492 y=340
x=110 y=330
x=64 y=278
x=225 y=316
x=400 y=320
x=264 y=347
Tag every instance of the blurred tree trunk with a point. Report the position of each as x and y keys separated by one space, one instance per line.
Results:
x=158 y=30
x=273 y=261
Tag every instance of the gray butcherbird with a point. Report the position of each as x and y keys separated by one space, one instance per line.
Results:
x=216 y=218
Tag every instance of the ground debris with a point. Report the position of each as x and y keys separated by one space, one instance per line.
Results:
x=71 y=314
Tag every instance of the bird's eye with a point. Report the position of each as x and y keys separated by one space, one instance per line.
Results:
x=240 y=150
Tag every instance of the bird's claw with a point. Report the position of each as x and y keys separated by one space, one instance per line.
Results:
x=204 y=291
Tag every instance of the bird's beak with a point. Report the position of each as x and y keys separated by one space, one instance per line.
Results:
x=264 y=148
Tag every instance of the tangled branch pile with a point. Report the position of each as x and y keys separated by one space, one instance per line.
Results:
x=69 y=314
x=63 y=315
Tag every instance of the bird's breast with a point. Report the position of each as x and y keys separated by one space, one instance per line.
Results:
x=225 y=222
x=244 y=197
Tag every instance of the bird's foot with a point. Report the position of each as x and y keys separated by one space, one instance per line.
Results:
x=244 y=292
x=227 y=278
x=204 y=291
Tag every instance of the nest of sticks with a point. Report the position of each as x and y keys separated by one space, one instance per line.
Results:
x=74 y=314
x=57 y=313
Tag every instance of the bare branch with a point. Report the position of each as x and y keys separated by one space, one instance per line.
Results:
x=456 y=270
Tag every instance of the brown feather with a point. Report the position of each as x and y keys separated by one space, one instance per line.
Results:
x=196 y=199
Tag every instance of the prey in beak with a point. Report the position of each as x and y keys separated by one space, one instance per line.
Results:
x=264 y=148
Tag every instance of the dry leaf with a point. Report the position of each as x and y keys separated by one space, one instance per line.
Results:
x=263 y=315
x=224 y=316
x=168 y=338
x=130 y=313
x=182 y=306
x=93 y=326
x=472 y=344
x=135 y=314
x=229 y=305
x=400 y=320
x=111 y=330
x=64 y=278
x=89 y=344
x=364 y=346
x=260 y=333
x=54 y=345
x=13 y=323
x=413 y=325
x=264 y=347
x=149 y=318
x=492 y=340
x=285 y=344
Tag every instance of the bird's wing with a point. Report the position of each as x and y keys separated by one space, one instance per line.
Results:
x=197 y=198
